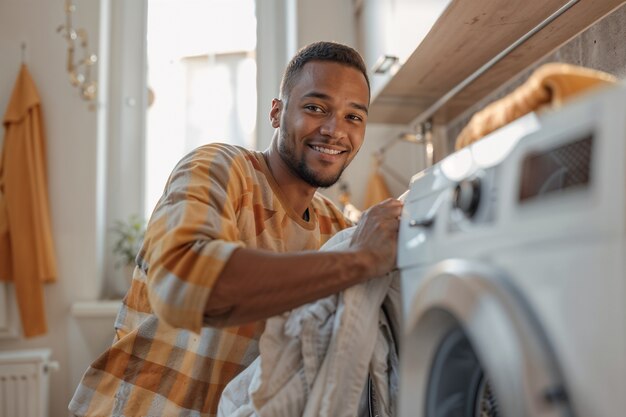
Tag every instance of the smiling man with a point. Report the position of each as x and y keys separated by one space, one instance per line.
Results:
x=323 y=118
x=233 y=241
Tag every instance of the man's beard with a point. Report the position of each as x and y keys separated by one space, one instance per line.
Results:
x=302 y=170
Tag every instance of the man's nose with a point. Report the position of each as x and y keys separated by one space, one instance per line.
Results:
x=333 y=127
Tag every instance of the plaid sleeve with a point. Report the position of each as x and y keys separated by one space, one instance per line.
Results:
x=191 y=235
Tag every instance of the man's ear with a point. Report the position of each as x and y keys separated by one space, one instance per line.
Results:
x=277 y=108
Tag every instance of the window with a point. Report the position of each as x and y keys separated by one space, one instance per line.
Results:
x=198 y=59
x=202 y=79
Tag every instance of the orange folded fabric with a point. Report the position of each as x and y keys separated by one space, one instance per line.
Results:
x=550 y=85
x=26 y=249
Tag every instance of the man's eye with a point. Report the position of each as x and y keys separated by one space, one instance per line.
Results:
x=314 y=108
x=355 y=117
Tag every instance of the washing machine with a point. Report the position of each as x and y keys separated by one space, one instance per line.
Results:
x=513 y=268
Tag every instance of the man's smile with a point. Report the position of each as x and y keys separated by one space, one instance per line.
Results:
x=327 y=150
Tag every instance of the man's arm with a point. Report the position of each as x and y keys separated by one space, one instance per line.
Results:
x=255 y=284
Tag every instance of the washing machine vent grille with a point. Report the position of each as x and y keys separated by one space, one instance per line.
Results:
x=556 y=169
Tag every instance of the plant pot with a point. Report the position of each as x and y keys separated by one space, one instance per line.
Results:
x=128 y=274
x=120 y=283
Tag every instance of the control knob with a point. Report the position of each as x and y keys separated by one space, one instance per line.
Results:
x=467 y=196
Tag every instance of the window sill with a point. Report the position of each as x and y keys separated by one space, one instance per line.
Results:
x=96 y=309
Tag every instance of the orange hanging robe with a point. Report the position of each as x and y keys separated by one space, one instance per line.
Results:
x=377 y=189
x=26 y=249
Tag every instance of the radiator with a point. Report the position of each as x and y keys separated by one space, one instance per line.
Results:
x=24 y=382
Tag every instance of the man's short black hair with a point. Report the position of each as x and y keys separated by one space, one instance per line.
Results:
x=321 y=51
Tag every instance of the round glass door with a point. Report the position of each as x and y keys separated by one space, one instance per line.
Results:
x=458 y=385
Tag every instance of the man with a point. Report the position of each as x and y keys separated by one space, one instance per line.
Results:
x=233 y=241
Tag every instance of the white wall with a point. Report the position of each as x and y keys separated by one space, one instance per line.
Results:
x=72 y=162
x=328 y=20
x=274 y=22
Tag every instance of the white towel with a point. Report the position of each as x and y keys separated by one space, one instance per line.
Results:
x=315 y=360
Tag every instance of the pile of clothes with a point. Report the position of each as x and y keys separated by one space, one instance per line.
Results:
x=335 y=357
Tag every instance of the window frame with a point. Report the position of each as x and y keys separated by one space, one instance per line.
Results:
x=126 y=104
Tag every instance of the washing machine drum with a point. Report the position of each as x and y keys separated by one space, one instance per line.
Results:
x=458 y=385
x=473 y=348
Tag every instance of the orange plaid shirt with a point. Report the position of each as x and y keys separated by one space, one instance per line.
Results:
x=165 y=361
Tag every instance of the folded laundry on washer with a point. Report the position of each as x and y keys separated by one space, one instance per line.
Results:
x=315 y=360
x=550 y=85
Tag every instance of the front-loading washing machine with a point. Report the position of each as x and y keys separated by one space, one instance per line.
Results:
x=512 y=256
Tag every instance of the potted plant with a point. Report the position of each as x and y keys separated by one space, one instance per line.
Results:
x=129 y=237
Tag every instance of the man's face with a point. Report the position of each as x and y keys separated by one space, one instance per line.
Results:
x=322 y=125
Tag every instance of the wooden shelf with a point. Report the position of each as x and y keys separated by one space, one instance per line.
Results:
x=466 y=36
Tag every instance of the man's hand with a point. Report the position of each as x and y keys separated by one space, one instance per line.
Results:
x=377 y=235
x=257 y=284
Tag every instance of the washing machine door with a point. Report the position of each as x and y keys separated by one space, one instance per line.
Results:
x=472 y=348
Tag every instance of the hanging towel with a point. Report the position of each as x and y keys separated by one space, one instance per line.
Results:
x=551 y=84
x=26 y=249
x=377 y=189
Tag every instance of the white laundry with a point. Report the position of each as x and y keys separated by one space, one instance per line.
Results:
x=315 y=360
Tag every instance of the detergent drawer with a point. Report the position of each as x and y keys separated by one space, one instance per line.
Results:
x=417 y=226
